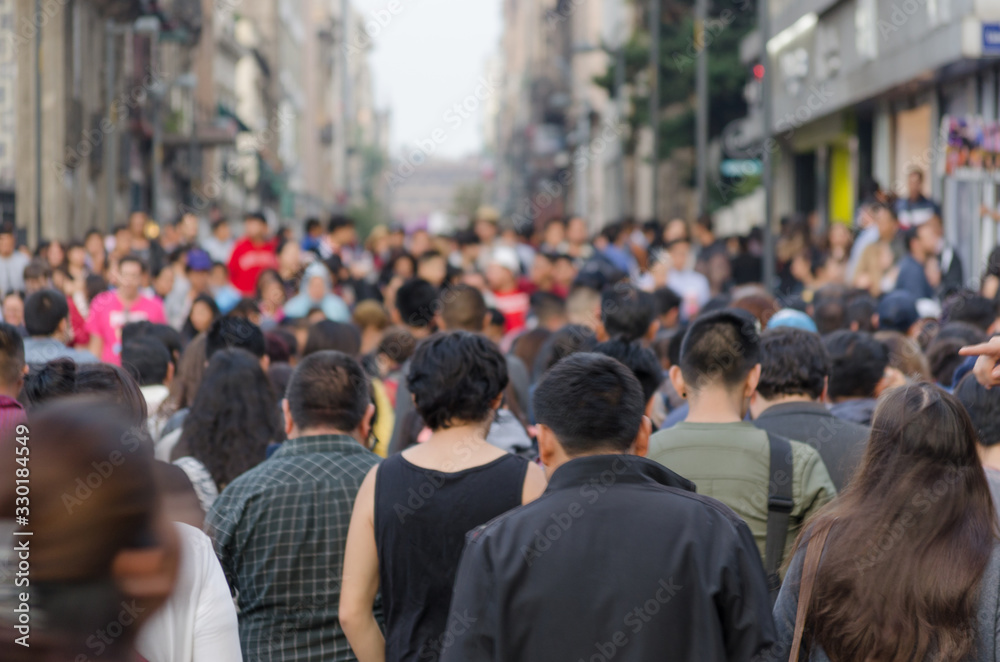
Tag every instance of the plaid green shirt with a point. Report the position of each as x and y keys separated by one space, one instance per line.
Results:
x=280 y=530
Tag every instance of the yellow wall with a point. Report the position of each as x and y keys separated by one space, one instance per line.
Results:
x=841 y=185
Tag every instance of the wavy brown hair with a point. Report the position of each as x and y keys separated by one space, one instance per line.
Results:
x=909 y=540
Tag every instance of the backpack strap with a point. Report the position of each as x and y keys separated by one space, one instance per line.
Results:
x=779 y=509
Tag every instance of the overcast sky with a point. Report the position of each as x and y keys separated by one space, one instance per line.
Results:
x=429 y=56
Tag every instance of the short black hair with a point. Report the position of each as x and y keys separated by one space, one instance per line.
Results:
x=166 y=334
x=135 y=260
x=311 y=224
x=830 y=314
x=909 y=235
x=417 y=302
x=570 y=339
x=971 y=308
x=328 y=389
x=11 y=355
x=792 y=362
x=591 y=403
x=255 y=216
x=147 y=359
x=860 y=310
x=627 y=311
x=43 y=311
x=857 y=364
x=944 y=360
x=548 y=306
x=329 y=335
x=982 y=404
x=338 y=221
x=497 y=318
x=640 y=360
x=454 y=377
x=722 y=347
x=238 y=332
x=666 y=300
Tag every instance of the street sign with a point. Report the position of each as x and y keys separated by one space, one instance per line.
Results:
x=991 y=38
x=740 y=168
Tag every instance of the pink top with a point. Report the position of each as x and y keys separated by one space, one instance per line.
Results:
x=108 y=316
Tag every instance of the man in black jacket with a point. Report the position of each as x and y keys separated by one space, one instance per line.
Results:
x=619 y=559
x=795 y=370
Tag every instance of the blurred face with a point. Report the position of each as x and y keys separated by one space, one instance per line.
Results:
x=433 y=271
x=576 y=231
x=77 y=257
x=189 y=227
x=486 y=231
x=679 y=254
x=222 y=232
x=123 y=242
x=274 y=293
x=13 y=310
x=137 y=223
x=129 y=279
x=840 y=236
x=887 y=224
x=290 y=258
x=420 y=243
x=94 y=244
x=555 y=234
x=564 y=272
x=915 y=184
x=542 y=270
x=316 y=289
x=55 y=254
x=218 y=277
x=931 y=237
x=499 y=278
x=6 y=244
x=345 y=236
x=255 y=229
x=164 y=282
x=676 y=229
x=32 y=285
x=199 y=281
x=403 y=268
x=201 y=316
x=397 y=240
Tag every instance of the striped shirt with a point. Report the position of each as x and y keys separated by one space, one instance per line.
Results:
x=280 y=531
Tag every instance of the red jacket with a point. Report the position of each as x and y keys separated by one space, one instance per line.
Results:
x=248 y=260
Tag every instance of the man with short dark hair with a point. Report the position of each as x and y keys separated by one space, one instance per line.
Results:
x=628 y=313
x=857 y=374
x=252 y=254
x=920 y=247
x=416 y=304
x=532 y=585
x=12 y=261
x=149 y=361
x=111 y=311
x=46 y=318
x=790 y=396
x=916 y=209
x=983 y=404
x=280 y=529
x=239 y=333
x=728 y=458
x=641 y=361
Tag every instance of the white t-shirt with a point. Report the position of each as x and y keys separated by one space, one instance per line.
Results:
x=198 y=623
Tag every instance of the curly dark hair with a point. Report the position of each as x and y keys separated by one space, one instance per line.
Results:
x=454 y=377
x=233 y=416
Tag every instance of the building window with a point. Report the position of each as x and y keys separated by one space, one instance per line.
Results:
x=865 y=32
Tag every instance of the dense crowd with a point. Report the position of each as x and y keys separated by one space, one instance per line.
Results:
x=504 y=443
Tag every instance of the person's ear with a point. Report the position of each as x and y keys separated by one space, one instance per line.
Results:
x=265 y=363
x=677 y=381
x=875 y=321
x=497 y=401
x=549 y=450
x=752 y=380
x=654 y=327
x=287 y=414
x=170 y=374
x=825 y=395
x=640 y=446
x=365 y=426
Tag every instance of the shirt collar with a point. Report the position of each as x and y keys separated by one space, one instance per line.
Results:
x=319 y=443
x=797 y=407
x=611 y=469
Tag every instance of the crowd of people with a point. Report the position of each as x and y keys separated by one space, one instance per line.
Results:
x=505 y=443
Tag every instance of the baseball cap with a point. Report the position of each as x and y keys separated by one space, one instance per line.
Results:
x=198 y=260
x=897 y=311
x=792 y=319
x=507 y=258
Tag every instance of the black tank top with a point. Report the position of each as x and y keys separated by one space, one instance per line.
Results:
x=421 y=518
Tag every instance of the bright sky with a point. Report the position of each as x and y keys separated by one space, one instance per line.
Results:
x=429 y=56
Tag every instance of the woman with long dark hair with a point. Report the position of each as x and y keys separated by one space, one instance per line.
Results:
x=910 y=568
x=232 y=420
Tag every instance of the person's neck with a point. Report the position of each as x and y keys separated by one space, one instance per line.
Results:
x=760 y=404
x=919 y=256
x=127 y=298
x=419 y=332
x=11 y=391
x=471 y=433
x=325 y=431
x=715 y=406
x=990 y=456
x=849 y=398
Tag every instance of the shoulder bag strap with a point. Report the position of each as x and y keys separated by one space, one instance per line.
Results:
x=779 y=509
x=814 y=550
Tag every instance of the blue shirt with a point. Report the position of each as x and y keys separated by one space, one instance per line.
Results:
x=913 y=279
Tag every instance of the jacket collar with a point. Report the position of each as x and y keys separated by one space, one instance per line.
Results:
x=794 y=409
x=320 y=443
x=612 y=469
